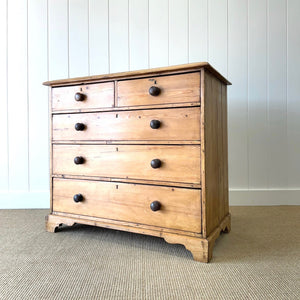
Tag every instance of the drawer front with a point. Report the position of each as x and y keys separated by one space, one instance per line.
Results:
x=172 y=89
x=89 y=96
x=178 y=163
x=180 y=208
x=176 y=124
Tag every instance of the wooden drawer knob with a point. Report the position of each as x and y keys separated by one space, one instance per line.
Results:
x=78 y=160
x=155 y=124
x=154 y=91
x=79 y=126
x=155 y=206
x=79 y=97
x=155 y=163
x=78 y=198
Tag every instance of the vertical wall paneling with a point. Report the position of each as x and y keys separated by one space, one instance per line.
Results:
x=37 y=95
x=293 y=86
x=238 y=96
x=197 y=30
x=257 y=90
x=78 y=38
x=178 y=32
x=138 y=34
x=277 y=114
x=58 y=36
x=17 y=95
x=118 y=35
x=3 y=101
x=217 y=34
x=158 y=33
x=98 y=37
x=255 y=43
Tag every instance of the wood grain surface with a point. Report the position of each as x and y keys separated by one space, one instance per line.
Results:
x=177 y=124
x=173 y=89
x=214 y=155
x=95 y=96
x=179 y=163
x=180 y=208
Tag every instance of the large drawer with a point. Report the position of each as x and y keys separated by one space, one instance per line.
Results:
x=89 y=96
x=172 y=89
x=176 y=124
x=180 y=208
x=178 y=163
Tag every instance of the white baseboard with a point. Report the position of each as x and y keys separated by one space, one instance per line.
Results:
x=40 y=199
x=23 y=199
x=264 y=197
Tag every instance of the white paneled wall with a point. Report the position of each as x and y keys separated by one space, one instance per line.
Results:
x=255 y=43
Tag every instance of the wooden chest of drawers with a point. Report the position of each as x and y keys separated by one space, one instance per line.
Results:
x=142 y=151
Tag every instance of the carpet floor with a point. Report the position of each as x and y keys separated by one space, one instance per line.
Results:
x=258 y=259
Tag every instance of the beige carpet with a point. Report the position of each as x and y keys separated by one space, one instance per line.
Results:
x=259 y=259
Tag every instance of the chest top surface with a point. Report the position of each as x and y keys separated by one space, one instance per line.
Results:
x=140 y=73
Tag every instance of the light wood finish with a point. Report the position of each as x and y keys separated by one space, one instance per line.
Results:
x=179 y=163
x=116 y=180
x=184 y=68
x=224 y=159
x=173 y=89
x=95 y=96
x=117 y=223
x=50 y=144
x=56 y=219
x=180 y=124
x=214 y=153
x=130 y=202
x=200 y=248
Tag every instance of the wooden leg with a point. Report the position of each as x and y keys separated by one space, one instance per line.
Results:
x=227 y=226
x=201 y=248
x=53 y=222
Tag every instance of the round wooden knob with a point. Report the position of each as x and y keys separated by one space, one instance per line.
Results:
x=154 y=91
x=79 y=126
x=78 y=160
x=155 y=124
x=79 y=97
x=155 y=206
x=78 y=198
x=155 y=163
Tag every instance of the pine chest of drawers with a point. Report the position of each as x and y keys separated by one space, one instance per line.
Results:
x=142 y=151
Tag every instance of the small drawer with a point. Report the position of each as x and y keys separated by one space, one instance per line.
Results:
x=88 y=96
x=144 y=162
x=159 y=90
x=176 y=208
x=174 y=124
